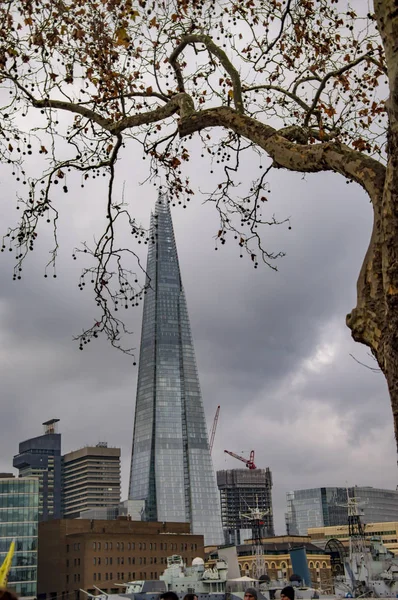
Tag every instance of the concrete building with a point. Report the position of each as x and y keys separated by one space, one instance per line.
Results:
x=90 y=479
x=41 y=457
x=19 y=511
x=325 y=507
x=387 y=531
x=79 y=554
x=240 y=490
x=278 y=560
x=171 y=466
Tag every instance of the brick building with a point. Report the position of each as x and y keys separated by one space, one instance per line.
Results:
x=278 y=562
x=77 y=554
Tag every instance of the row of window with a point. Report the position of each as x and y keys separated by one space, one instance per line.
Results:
x=140 y=546
x=129 y=575
x=129 y=560
x=283 y=565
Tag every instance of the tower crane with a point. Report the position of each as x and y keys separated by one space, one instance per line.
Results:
x=249 y=462
x=213 y=429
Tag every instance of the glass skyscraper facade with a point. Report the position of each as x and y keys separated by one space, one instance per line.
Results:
x=324 y=507
x=41 y=457
x=19 y=506
x=171 y=466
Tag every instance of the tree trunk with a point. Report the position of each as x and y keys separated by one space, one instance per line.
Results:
x=375 y=320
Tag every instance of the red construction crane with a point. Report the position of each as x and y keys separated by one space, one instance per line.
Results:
x=213 y=429
x=249 y=462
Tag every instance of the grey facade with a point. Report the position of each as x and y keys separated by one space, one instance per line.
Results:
x=19 y=511
x=41 y=457
x=90 y=480
x=324 y=507
x=240 y=490
x=171 y=467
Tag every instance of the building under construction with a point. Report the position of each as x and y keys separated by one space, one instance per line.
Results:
x=240 y=491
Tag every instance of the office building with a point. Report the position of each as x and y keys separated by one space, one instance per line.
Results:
x=78 y=554
x=388 y=532
x=41 y=457
x=171 y=466
x=19 y=511
x=240 y=491
x=325 y=507
x=131 y=509
x=90 y=479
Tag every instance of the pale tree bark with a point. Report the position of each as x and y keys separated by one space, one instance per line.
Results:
x=385 y=279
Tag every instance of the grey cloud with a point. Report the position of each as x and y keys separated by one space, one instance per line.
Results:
x=261 y=338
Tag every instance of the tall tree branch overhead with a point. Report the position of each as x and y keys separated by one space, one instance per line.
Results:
x=298 y=85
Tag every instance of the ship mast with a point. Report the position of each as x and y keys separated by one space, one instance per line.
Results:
x=256 y=516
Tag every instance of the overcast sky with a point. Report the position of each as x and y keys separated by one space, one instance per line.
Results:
x=272 y=347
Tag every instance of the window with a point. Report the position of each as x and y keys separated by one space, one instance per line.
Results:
x=95 y=577
x=94 y=545
x=67 y=547
x=133 y=545
x=94 y=561
x=117 y=546
x=128 y=546
x=110 y=545
x=67 y=562
x=106 y=560
x=106 y=576
x=67 y=579
x=106 y=545
x=99 y=561
x=99 y=545
x=110 y=560
x=121 y=545
x=122 y=560
x=150 y=546
x=99 y=576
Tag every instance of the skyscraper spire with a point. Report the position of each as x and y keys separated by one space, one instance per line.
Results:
x=171 y=467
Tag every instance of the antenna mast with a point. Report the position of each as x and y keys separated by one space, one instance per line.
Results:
x=256 y=516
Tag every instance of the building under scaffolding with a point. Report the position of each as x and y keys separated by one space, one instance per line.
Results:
x=240 y=491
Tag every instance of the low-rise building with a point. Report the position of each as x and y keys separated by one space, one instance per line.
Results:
x=278 y=561
x=387 y=531
x=78 y=554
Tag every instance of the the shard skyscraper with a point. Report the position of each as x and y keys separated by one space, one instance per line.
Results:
x=171 y=466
